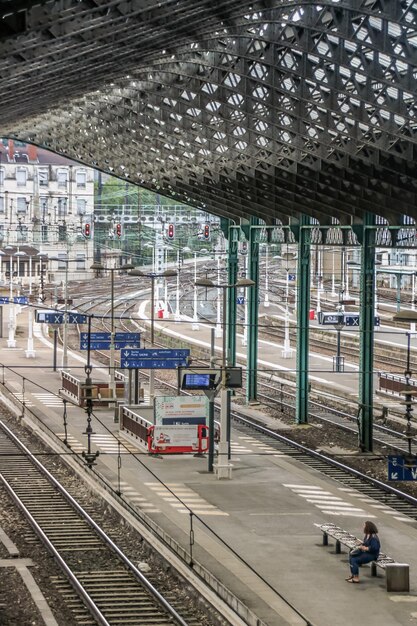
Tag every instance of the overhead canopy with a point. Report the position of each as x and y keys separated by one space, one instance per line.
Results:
x=240 y=108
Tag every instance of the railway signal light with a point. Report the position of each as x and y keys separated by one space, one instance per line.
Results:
x=206 y=232
x=171 y=231
x=87 y=230
x=119 y=230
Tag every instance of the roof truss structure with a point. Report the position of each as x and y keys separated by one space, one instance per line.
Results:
x=266 y=109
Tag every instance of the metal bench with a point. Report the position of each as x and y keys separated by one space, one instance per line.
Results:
x=397 y=575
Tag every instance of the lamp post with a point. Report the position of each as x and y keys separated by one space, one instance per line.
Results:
x=11 y=341
x=98 y=267
x=30 y=351
x=223 y=466
x=410 y=393
x=65 y=326
x=338 y=364
x=153 y=276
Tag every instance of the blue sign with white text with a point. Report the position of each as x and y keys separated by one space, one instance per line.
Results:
x=153 y=364
x=15 y=300
x=154 y=353
x=401 y=468
x=102 y=341
x=240 y=300
x=291 y=276
x=57 y=317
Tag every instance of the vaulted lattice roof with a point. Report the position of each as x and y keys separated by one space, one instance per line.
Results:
x=241 y=108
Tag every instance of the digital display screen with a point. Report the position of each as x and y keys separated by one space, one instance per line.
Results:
x=196 y=381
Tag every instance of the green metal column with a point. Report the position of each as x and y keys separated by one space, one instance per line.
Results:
x=234 y=233
x=367 y=320
x=253 y=312
x=303 y=309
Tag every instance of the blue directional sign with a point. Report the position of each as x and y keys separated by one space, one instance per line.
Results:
x=400 y=468
x=20 y=300
x=154 y=353
x=348 y=319
x=291 y=276
x=153 y=364
x=15 y=300
x=240 y=300
x=58 y=317
x=102 y=341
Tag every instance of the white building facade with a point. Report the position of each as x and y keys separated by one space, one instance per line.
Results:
x=46 y=208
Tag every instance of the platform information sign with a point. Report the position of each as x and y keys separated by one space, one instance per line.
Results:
x=155 y=353
x=15 y=300
x=153 y=364
x=347 y=319
x=401 y=468
x=102 y=341
x=57 y=317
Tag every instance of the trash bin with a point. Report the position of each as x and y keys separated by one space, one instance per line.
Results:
x=311 y=316
x=160 y=314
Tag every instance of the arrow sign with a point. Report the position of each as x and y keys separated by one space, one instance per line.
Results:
x=4 y=300
x=401 y=468
x=151 y=364
x=155 y=354
x=20 y=300
x=55 y=317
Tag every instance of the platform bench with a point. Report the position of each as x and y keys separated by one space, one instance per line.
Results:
x=397 y=575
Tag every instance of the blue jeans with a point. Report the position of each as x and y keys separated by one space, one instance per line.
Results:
x=355 y=561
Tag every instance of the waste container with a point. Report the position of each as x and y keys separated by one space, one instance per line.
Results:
x=311 y=316
x=160 y=314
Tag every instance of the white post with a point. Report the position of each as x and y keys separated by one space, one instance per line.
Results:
x=30 y=352
x=266 y=299
x=287 y=351
x=177 y=301
x=413 y=295
x=224 y=468
x=334 y=294
x=218 y=329
x=112 y=372
x=11 y=342
x=195 y=315
x=246 y=314
x=65 y=328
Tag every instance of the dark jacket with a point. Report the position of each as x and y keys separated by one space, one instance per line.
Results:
x=372 y=542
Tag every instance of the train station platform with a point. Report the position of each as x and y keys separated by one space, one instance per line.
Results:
x=255 y=533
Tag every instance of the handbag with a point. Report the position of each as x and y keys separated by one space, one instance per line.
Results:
x=355 y=552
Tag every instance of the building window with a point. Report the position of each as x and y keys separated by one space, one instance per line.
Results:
x=62 y=232
x=1 y=176
x=21 y=204
x=62 y=207
x=62 y=261
x=21 y=176
x=43 y=177
x=80 y=261
x=1 y=232
x=43 y=205
x=44 y=233
x=62 y=178
x=1 y=204
x=21 y=235
x=81 y=180
x=81 y=206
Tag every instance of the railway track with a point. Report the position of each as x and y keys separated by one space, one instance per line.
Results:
x=111 y=588
x=401 y=502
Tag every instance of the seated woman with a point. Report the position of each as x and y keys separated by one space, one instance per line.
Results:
x=369 y=548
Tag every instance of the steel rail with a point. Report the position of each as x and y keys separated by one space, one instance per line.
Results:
x=105 y=538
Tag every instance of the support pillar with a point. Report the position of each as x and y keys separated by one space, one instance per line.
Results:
x=233 y=239
x=253 y=313
x=303 y=308
x=366 y=316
